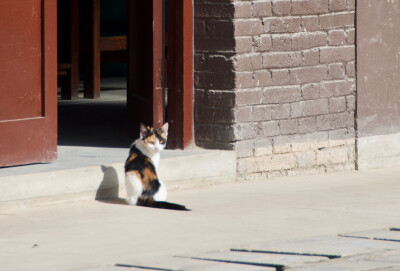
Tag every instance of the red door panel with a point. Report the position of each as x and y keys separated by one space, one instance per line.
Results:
x=28 y=81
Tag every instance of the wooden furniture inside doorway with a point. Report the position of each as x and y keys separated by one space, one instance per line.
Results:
x=148 y=75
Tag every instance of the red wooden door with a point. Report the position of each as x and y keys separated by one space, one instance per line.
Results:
x=146 y=53
x=28 y=81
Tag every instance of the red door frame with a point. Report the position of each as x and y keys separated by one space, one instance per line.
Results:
x=180 y=73
x=146 y=68
x=34 y=139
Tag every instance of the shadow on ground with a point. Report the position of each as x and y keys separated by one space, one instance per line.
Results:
x=108 y=191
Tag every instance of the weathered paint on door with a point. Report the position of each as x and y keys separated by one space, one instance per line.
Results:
x=28 y=81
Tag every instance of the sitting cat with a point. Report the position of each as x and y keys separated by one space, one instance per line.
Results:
x=143 y=187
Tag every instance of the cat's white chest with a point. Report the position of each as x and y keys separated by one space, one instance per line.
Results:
x=156 y=160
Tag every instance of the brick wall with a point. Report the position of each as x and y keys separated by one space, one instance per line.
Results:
x=275 y=80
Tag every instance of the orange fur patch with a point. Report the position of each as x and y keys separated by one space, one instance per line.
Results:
x=131 y=157
x=148 y=177
x=150 y=139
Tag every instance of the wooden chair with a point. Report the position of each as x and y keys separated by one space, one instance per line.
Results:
x=68 y=73
x=98 y=49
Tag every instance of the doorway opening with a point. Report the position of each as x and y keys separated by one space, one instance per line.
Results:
x=97 y=120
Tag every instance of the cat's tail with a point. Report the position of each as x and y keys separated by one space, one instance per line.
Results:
x=162 y=205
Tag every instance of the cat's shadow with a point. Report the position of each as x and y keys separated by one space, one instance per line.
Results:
x=108 y=191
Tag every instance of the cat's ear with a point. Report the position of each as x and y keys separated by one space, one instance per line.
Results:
x=143 y=130
x=164 y=129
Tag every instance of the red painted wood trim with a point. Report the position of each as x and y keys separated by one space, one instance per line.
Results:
x=91 y=82
x=180 y=73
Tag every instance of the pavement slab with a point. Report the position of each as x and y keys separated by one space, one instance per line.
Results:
x=382 y=260
x=383 y=234
x=325 y=245
x=279 y=261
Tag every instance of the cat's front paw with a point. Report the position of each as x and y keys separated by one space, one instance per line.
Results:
x=131 y=201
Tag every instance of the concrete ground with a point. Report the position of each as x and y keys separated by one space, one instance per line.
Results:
x=94 y=235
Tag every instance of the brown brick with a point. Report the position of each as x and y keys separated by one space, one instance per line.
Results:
x=301 y=41
x=310 y=23
x=279 y=162
x=351 y=36
x=281 y=60
x=289 y=127
x=280 y=112
x=248 y=27
x=213 y=115
x=262 y=146
x=269 y=128
x=262 y=78
x=216 y=81
x=310 y=57
x=243 y=79
x=310 y=91
x=351 y=5
x=337 y=54
x=325 y=21
x=242 y=114
x=243 y=44
x=306 y=159
x=244 y=148
x=199 y=97
x=307 y=125
x=262 y=43
x=343 y=19
x=199 y=27
x=220 y=98
x=332 y=156
x=282 y=25
x=335 y=121
x=212 y=63
x=309 y=108
x=337 y=5
x=262 y=9
x=281 y=43
x=281 y=144
x=216 y=44
x=337 y=104
x=336 y=20
x=219 y=28
x=247 y=62
x=280 y=77
x=336 y=71
x=337 y=88
x=213 y=10
x=281 y=7
x=309 y=7
x=337 y=37
x=350 y=69
x=308 y=75
x=212 y=132
x=249 y=97
x=350 y=103
x=242 y=10
x=262 y=113
x=246 y=131
x=281 y=95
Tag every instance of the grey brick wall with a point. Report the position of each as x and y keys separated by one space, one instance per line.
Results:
x=274 y=80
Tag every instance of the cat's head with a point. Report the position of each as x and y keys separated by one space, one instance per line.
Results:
x=154 y=139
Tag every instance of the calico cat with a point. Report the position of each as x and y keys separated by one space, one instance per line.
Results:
x=143 y=187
